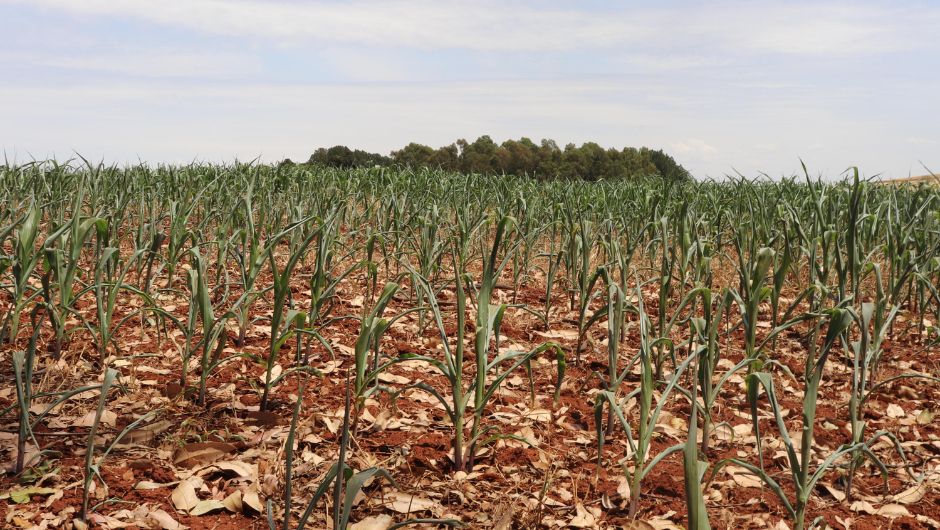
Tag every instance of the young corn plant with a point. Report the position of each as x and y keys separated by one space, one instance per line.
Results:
x=24 y=362
x=109 y=282
x=373 y=239
x=178 y=235
x=693 y=468
x=615 y=311
x=752 y=292
x=5 y=262
x=455 y=399
x=321 y=286
x=183 y=228
x=372 y=328
x=672 y=261
x=149 y=236
x=250 y=254
x=23 y=263
x=324 y=281
x=110 y=374
x=781 y=267
x=92 y=467
x=873 y=321
x=488 y=316
x=63 y=253
x=587 y=278
x=429 y=249
x=638 y=463
x=800 y=462
x=529 y=235
x=346 y=482
x=554 y=257
x=214 y=336
x=285 y=320
x=204 y=334
x=672 y=246
x=340 y=476
x=706 y=331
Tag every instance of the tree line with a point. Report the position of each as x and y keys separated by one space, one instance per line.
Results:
x=542 y=160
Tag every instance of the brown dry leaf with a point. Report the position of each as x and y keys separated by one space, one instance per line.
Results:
x=893 y=510
x=276 y=371
x=106 y=521
x=23 y=495
x=237 y=467
x=895 y=411
x=342 y=347
x=743 y=478
x=146 y=434
x=525 y=433
x=638 y=525
x=253 y=501
x=207 y=506
x=932 y=523
x=202 y=453
x=569 y=334
x=888 y=510
x=836 y=494
x=233 y=502
x=663 y=522
x=145 y=485
x=405 y=503
x=381 y=422
x=107 y=418
x=153 y=370
x=863 y=506
x=925 y=417
x=376 y=522
x=330 y=424
x=9 y=465
x=165 y=520
x=911 y=495
x=504 y=522
x=263 y=418
x=742 y=429
x=393 y=379
x=184 y=496
x=623 y=488
x=583 y=517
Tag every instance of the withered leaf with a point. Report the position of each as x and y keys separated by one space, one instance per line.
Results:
x=201 y=453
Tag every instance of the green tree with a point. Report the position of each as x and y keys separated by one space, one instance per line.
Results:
x=545 y=160
x=413 y=155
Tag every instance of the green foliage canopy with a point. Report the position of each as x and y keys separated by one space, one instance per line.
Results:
x=544 y=160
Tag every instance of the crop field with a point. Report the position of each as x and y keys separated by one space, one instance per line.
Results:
x=284 y=347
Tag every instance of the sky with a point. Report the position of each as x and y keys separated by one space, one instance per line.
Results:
x=725 y=87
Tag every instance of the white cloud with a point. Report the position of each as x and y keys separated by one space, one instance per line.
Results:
x=811 y=28
x=819 y=28
x=694 y=146
x=145 y=62
x=416 y=23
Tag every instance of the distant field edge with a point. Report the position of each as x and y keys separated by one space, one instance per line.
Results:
x=929 y=178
